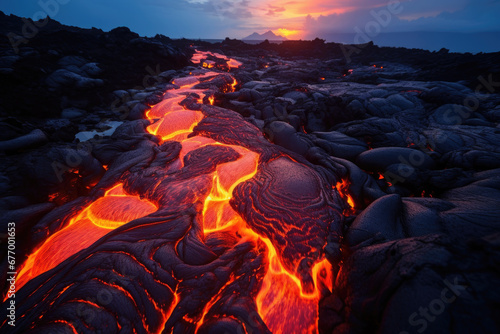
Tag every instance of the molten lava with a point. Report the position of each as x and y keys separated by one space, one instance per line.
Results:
x=342 y=187
x=282 y=302
x=112 y=210
x=201 y=58
x=281 y=296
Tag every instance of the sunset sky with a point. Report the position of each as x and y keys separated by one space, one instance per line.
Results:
x=239 y=18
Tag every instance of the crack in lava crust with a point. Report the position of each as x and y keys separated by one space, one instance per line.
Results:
x=218 y=230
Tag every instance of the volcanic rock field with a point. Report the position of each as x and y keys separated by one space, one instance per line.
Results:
x=177 y=186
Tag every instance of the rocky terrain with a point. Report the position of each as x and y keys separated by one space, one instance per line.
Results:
x=383 y=162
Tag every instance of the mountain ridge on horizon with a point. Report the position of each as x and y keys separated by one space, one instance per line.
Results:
x=269 y=35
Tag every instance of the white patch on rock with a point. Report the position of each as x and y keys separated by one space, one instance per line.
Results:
x=110 y=126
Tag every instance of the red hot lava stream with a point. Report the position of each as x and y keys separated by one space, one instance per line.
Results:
x=282 y=303
x=113 y=210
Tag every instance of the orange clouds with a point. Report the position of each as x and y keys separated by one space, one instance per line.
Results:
x=287 y=18
x=313 y=7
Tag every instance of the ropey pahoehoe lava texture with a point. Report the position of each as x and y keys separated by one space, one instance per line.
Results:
x=207 y=228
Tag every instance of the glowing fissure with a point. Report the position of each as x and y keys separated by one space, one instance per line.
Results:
x=200 y=56
x=342 y=187
x=113 y=210
x=281 y=302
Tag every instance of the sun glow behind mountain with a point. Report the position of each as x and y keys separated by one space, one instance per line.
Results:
x=288 y=33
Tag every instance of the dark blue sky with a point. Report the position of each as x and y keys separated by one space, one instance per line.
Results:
x=295 y=19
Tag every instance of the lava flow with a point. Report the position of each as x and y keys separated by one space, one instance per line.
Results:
x=285 y=301
x=281 y=296
x=112 y=210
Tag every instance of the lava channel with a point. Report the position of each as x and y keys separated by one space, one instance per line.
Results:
x=283 y=303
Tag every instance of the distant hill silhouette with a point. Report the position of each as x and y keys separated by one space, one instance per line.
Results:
x=428 y=40
x=270 y=36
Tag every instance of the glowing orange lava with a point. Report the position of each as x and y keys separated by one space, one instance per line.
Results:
x=281 y=302
x=199 y=57
x=112 y=210
x=342 y=188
